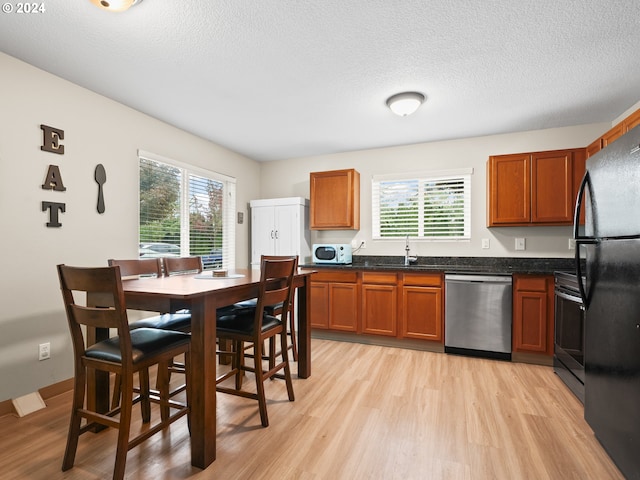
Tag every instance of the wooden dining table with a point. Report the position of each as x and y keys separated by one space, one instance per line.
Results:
x=202 y=294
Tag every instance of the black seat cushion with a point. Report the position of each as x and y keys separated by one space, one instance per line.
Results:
x=180 y=322
x=243 y=323
x=145 y=342
x=249 y=305
x=230 y=309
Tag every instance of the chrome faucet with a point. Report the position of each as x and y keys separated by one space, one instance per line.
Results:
x=407 y=259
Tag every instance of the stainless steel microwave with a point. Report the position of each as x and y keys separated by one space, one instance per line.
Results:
x=338 y=253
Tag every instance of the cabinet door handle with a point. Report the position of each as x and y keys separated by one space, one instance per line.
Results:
x=276 y=234
x=272 y=234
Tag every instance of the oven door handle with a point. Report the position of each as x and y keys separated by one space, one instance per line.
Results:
x=581 y=286
x=571 y=298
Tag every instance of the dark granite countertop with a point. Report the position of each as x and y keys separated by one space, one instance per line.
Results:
x=495 y=265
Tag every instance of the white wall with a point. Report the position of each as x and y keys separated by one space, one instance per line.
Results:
x=96 y=130
x=470 y=152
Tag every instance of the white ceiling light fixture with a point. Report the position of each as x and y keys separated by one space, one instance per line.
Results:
x=405 y=103
x=115 y=5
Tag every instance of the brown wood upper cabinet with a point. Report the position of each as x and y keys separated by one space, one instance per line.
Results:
x=631 y=121
x=594 y=147
x=534 y=188
x=614 y=133
x=335 y=200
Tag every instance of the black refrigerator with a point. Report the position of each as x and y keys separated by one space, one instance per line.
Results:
x=610 y=196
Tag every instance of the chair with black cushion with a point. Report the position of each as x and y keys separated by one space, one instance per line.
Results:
x=128 y=352
x=189 y=265
x=152 y=267
x=182 y=265
x=255 y=327
x=186 y=265
x=276 y=310
x=179 y=322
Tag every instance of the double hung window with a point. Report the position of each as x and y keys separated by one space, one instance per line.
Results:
x=186 y=211
x=433 y=205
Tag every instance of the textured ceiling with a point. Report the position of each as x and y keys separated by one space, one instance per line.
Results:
x=275 y=79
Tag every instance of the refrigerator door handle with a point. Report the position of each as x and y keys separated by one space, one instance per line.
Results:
x=586 y=182
x=581 y=240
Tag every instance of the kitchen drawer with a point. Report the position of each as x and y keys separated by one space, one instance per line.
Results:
x=335 y=277
x=423 y=279
x=531 y=284
x=379 y=278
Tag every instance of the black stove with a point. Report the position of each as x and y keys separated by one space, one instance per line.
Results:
x=568 y=359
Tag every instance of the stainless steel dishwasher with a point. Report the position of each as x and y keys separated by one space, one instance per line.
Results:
x=478 y=312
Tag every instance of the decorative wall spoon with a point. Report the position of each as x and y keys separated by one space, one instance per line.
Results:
x=101 y=178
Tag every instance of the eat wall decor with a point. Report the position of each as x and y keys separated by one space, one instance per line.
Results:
x=53 y=180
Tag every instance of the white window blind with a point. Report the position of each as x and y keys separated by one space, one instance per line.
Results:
x=428 y=205
x=186 y=211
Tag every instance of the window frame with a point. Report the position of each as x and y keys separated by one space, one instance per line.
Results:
x=424 y=177
x=229 y=204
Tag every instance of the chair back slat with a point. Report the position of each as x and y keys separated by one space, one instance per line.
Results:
x=182 y=265
x=87 y=279
x=96 y=317
x=138 y=266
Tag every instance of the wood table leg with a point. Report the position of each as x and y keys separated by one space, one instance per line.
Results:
x=304 y=329
x=203 y=382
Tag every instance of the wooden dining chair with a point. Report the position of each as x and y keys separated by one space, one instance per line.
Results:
x=276 y=310
x=257 y=326
x=128 y=352
x=178 y=321
x=189 y=265
x=152 y=267
x=182 y=265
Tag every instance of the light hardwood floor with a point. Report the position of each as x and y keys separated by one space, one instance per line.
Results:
x=367 y=412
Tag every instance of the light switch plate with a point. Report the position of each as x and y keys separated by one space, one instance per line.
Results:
x=520 y=244
x=485 y=243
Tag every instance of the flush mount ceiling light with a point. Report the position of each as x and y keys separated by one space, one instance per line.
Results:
x=405 y=103
x=115 y=5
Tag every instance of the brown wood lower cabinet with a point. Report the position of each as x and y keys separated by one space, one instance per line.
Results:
x=411 y=306
x=379 y=303
x=533 y=316
x=400 y=305
x=334 y=301
x=422 y=307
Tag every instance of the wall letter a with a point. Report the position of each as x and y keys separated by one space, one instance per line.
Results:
x=53 y=180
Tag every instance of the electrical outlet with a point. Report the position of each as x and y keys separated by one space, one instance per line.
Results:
x=44 y=351
x=485 y=243
x=520 y=244
x=363 y=244
x=572 y=244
